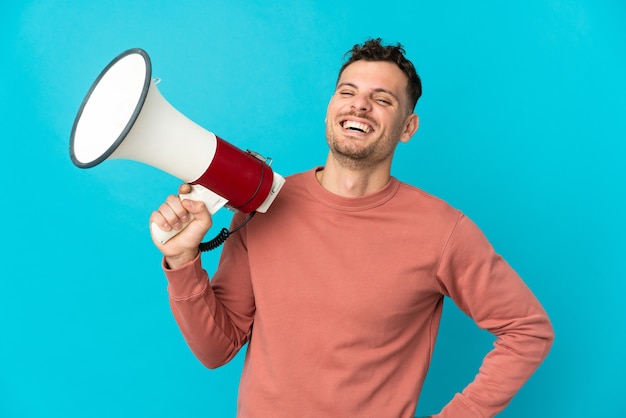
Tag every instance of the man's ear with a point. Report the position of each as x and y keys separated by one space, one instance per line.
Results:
x=410 y=127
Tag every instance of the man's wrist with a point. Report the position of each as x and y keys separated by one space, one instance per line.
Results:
x=174 y=262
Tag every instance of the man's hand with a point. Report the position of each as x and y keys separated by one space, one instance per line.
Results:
x=172 y=214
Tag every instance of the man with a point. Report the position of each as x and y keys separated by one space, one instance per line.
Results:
x=338 y=289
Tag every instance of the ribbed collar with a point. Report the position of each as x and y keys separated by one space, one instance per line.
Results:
x=353 y=204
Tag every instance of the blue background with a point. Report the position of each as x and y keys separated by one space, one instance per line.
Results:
x=523 y=125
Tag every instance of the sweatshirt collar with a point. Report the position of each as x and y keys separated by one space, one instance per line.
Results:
x=353 y=204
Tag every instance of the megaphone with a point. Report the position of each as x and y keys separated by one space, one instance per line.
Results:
x=124 y=116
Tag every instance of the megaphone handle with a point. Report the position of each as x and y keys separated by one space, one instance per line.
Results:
x=212 y=200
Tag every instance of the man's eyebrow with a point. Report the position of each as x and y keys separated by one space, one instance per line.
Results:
x=378 y=90
x=346 y=84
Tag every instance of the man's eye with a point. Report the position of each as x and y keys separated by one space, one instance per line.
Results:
x=383 y=101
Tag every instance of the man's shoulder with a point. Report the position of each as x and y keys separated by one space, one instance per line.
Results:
x=300 y=175
x=416 y=195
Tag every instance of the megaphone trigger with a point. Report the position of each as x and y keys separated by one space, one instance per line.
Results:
x=212 y=201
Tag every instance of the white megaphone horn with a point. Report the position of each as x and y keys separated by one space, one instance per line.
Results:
x=124 y=116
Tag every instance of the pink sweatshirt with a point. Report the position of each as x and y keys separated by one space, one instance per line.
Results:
x=340 y=300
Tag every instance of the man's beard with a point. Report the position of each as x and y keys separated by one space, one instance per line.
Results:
x=354 y=155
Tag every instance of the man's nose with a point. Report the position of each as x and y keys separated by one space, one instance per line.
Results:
x=362 y=103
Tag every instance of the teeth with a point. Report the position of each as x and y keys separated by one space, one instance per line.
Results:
x=350 y=124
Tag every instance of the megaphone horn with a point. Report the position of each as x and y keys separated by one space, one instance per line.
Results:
x=124 y=116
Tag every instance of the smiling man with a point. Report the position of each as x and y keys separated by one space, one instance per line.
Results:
x=367 y=116
x=338 y=289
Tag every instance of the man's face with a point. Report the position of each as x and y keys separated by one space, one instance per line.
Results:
x=369 y=114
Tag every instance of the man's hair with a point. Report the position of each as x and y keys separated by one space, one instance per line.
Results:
x=374 y=50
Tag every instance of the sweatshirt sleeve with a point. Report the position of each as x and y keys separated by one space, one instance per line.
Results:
x=215 y=317
x=488 y=290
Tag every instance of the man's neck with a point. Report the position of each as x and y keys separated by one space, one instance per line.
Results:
x=350 y=182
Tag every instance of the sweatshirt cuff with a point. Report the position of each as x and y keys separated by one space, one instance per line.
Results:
x=458 y=408
x=186 y=281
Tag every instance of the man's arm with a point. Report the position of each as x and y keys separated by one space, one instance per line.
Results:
x=487 y=289
x=215 y=322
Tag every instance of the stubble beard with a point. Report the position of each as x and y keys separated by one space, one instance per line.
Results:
x=350 y=153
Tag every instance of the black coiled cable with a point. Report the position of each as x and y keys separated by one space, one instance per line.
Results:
x=215 y=242
x=222 y=236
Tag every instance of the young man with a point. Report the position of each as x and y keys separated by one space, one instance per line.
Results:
x=338 y=288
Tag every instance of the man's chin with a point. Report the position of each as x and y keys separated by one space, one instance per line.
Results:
x=351 y=158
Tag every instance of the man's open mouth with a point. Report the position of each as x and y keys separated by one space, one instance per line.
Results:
x=356 y=126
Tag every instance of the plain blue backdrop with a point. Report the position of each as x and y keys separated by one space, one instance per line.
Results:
x=523 y=125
